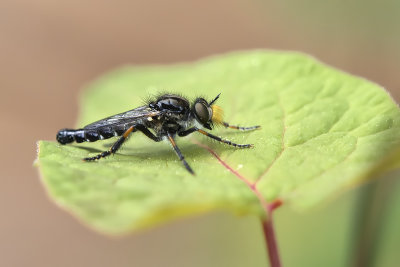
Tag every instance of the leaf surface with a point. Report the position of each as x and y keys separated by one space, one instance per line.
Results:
x=322 y=131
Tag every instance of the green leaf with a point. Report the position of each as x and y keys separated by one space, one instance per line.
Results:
x=322 y=131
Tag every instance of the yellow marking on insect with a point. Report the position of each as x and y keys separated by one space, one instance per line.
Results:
x=217 y=114
x=172 y=141
x=126 y=134
x=202 y=132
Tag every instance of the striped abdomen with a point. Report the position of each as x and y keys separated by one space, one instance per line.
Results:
x=66 y=136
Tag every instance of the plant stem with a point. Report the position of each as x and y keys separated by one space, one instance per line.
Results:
x=269 y=234
x=272 y=245
x=268 y=226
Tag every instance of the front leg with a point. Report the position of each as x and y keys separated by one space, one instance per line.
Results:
x=188 y=131
x=227 y=125
x=219 y=139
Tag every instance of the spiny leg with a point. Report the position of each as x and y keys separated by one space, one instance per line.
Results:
x=227 y=125
x=195 y=129
x=179 y=153
x=114 y=148
x=219 y=139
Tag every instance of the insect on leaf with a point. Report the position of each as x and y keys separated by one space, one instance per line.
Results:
x=322 y=131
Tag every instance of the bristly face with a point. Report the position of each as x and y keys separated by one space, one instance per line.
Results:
x=207 y=113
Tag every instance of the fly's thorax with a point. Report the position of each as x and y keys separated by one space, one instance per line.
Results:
x=170 y=103
x=174 y=111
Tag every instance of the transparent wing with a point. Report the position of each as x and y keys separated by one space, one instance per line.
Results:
x=129 y=117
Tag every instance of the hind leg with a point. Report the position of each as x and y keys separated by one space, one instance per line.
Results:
x=117 y=145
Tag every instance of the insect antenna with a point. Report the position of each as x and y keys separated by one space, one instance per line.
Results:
x=215 y=99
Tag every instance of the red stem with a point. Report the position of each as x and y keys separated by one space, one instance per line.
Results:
x=272 y=245
x=268 y=226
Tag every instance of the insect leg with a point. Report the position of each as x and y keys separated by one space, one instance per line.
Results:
x=179 y=153
x=227 y=125
x=219 y=139
x=188 y=131
x=149 y=134
x=114 y=148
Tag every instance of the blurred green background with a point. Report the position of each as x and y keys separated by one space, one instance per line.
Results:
x=49 y=50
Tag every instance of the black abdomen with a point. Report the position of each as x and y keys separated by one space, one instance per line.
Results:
x=66 y=136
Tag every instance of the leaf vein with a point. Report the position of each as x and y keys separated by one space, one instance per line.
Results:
x=268 y=207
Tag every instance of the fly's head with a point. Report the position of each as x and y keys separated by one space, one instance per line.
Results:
x=206 y=113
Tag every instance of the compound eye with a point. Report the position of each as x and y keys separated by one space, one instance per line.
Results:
x=202 y=112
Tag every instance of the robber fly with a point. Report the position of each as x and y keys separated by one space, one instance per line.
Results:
x=164 y=118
